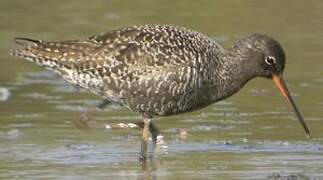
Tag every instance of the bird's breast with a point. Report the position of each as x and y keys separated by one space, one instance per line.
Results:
x=164 y=93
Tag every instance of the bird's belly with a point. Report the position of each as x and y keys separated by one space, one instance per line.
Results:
x=165 y=104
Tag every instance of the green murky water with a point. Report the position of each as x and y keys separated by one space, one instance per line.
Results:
x=252 y=135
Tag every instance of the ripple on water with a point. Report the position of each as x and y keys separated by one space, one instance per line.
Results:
x=42 y=77
x=41 y=96
x=20 y=125
x=259 y=92
x=319 y=80
x=4 y=94
x=249 y=147
x=11 y=134
x=89 y=154
x=75 y=108
x=218 y=126
x=28 y=115
x=115 y=153
x=287 y=176
x=47 y=77
x=83 y=105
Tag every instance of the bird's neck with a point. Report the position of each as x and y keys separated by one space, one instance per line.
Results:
x=233 y=75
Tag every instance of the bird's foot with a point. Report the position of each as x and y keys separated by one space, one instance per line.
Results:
x=85 y=122
x=82 y=122
x=161 y=146
x=142 y=159
x=103 y=104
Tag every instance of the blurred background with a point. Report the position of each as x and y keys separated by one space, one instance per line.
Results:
x=252 y=135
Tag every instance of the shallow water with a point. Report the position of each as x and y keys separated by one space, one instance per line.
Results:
x=252 y=135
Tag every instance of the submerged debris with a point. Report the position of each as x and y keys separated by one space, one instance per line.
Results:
x=282 y=176
x=10 y=134
x=4 y=94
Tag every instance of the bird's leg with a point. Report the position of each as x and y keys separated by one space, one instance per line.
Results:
x=103 y=104
x=144 y=141
x=154 y=131
x=159 y=145
x=83 y=121
x=158 y=140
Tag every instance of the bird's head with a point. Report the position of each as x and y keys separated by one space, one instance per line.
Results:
x=265 y=57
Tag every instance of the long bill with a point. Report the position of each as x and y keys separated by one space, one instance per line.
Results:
x=281 y=85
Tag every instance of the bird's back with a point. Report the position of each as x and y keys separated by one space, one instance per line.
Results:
x=157 y=69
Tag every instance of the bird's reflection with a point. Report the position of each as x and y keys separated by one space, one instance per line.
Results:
x=149 y=169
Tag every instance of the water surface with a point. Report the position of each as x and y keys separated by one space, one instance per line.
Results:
x=252 y=135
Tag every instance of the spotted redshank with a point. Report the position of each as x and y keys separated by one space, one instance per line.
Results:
x=160 y=69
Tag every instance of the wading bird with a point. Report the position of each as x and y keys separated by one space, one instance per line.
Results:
x=160 y=69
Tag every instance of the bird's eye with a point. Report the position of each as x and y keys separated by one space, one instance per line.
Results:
x=270 y=60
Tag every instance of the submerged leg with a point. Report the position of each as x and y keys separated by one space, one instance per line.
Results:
x=103 y=104
x=154 y=131
x=86 y=123
x=147 y=125
x=145 y=133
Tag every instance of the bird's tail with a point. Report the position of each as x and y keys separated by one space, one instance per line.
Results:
x=46 y=54
x=62 y=57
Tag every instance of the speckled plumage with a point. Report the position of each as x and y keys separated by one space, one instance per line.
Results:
x=157 y=69
x=160 y=69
